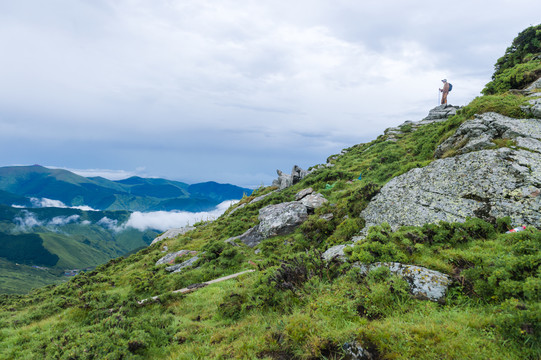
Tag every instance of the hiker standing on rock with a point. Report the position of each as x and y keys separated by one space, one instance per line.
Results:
x=444 y=92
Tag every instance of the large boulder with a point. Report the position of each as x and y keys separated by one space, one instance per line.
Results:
x=313 y=201
x=486 y=184
x=170 y=258
x=534 y=106
x=285 y=180
x=281 y=219
x=479 y=133
x=179 y=267
x=335 y=252
x=424 y=283
x=438 y=114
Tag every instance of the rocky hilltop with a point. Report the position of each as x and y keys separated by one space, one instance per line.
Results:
x=400 y=248
x=472 y=177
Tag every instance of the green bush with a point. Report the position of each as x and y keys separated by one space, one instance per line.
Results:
x=515 y=68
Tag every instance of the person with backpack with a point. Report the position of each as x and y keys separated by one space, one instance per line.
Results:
x=445 y=91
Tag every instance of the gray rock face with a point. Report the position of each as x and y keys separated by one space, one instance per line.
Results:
x=440 y=113
x=285 y=180
x=485 y=184
x=280 y=219
x=424 y=283
x=354 y=351
x=171 y=233
x=179 y=267
x=301 y=194
x=335 y=252
x=170 y=258
x=535 y=85
x=478 y=134
x=313 y=201
x=437 y=114
x=534 y=106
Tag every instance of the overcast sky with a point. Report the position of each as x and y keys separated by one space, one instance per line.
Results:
x=197 y=90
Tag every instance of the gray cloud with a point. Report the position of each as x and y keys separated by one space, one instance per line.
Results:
x=221 y=91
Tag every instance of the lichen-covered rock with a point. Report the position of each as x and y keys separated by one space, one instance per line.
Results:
x=534 y=86
x=285 y=180
x=424 y=283
x=437 y=114
x=171 y=233
x=335 y=252
x=534 y=107
x=487 y=184
x=303 y=193
x=479 y=133
x=179 y=267
x=280 y=219
x=440 y=113
x=313 y=201
x=354 y=351
x=170 y=258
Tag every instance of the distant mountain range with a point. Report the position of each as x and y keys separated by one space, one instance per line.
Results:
x=47 y=228
x=26 y=185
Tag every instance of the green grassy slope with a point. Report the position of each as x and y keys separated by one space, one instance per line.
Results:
x=295 y=305
x=16 y=279
x=80 y=243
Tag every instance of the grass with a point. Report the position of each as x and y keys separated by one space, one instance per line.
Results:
x=296 y=305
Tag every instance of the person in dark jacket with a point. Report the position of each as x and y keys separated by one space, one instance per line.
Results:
x=444 y=92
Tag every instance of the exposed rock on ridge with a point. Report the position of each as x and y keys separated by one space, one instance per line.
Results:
x=285 y=180
x=424 y=283
x=437 y=114
x=486 y=184
x=281 y=219
x=480 y=132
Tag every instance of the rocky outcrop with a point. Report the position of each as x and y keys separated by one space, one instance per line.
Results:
x=281 y=219
x=179 y=267
x=424 y=283
x=536 y=85
x=479 y=133
x=354 y=351
x=534 y=105
x=335 y=252
x=171 y=233
x=487 y=184
x=285 y=180
x=170 y=258
x=311 y=200
x=437 y=114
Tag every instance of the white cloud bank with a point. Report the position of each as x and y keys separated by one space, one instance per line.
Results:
x=164 y=220
x=27 y=220
x=46 y=203
x=157 y=220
